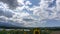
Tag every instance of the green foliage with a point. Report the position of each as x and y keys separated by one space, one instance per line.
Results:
x=15 y=31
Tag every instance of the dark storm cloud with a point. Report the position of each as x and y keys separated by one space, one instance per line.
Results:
x=12 y=3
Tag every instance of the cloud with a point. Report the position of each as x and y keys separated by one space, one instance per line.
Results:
x=51 y=23
x=3 y=19
x=45 y=12
x=4 y=11
x=21 y=2
x=11 y=16
x=28 y=3
x=12 y=3
x=38 y=18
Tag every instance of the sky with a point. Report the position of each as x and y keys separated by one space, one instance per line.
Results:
x=30 y=13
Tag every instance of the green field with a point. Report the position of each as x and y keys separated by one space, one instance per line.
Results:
x=29 y=31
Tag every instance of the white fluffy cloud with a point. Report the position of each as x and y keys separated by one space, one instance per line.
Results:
x=20 y=16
